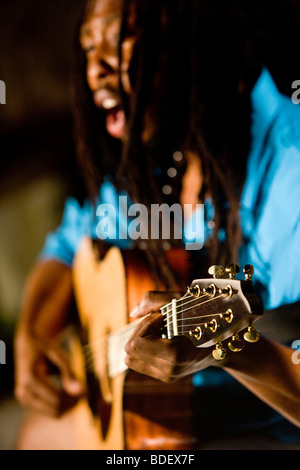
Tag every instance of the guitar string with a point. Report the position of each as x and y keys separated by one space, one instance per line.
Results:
x=119 y=334
x=119 y=337
x=100 y=345
x=190 y=308
x=186 y=296
x=189 y=296
x=119 y=344
x=122 y=336
x=124 y=330
x=193 y=299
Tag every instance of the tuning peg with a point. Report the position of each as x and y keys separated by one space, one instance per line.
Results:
x=219 y=353
x=197 y=333
x=212 y=325
x=210 y=290
x=236 y=344
x=216 y=271
x=251 y=335
x=195 y=291
x=228 y=315
x=248 y=271
x=232 y=270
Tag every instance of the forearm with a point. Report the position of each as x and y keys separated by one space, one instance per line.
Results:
x=45 y=312
x=47 y=300
x=267 y=370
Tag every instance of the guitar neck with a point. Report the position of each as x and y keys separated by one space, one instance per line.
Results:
x=116 y=343
x=209 y=313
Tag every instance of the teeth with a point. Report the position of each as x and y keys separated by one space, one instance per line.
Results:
x=109 y=103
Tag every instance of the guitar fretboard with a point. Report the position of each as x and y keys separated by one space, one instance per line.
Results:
x=116 y=349
x=112 y=347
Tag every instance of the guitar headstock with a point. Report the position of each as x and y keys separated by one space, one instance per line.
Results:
x=215 y=309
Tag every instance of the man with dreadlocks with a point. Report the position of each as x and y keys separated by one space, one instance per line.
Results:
x=180 y=81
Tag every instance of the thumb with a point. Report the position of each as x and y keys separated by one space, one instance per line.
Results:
x=70 y=384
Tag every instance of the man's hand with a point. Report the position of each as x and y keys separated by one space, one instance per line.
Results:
x=44 y=381
x=163 y=359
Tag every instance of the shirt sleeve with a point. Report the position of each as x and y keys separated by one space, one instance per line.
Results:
x=79 y=221
x=62 y=243
x=272 y=224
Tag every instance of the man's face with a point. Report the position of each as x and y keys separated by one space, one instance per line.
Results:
x=99 y=38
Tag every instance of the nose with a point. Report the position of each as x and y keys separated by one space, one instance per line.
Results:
x=102 y=64
x=105 y=69
x=98 y=70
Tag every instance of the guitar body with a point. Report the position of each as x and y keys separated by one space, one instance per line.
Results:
x=127 y=411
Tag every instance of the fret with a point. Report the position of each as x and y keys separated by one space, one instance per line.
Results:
x=174 y=317
x=180 y=316
x=164 y=312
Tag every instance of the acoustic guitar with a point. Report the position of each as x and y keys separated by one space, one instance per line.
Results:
x=125 y=410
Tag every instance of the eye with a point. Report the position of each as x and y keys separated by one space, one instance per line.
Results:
x=88 y=49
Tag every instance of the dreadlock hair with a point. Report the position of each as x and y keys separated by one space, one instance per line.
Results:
x=138 y=159
x=195 y=48
x=219 y=127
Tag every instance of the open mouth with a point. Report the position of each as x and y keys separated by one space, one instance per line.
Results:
x=110 y=103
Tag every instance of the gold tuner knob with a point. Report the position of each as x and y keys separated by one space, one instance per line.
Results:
x=248 y=271
x=219 y=353
x=216 y=271
x=212 y=325
x=236 y=344
x=228 y=315
x=228 y=291
x=210 y=290
x=195 y=291
x=251 y=335
x=232 y=270
x=197 y=333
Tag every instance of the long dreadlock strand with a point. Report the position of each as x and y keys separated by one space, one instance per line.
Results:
x=134 y=164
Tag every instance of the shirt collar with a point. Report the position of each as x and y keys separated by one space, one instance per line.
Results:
x=266 y=101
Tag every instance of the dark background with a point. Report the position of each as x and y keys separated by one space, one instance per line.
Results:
x=37 y=164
